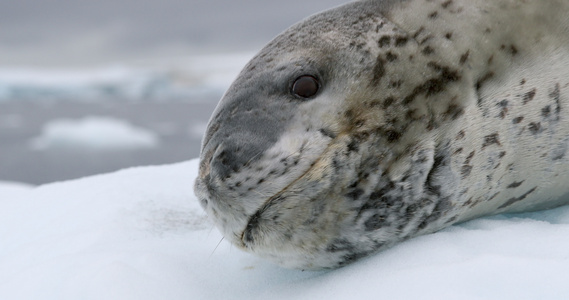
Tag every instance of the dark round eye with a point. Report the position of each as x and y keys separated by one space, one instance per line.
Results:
x=305 y=86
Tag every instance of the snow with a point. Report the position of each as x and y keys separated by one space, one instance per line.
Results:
x=140 y=234
x=94 y=133
x=11 y=189
x=180 y=78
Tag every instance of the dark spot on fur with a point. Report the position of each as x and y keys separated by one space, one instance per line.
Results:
x=504 y=111
x=353 y=146
x=374 y=103
x=418 y=32
x=546 y=111
x=527 y=97
x=427 y=38
x=516 y=199
x=438 y=212
x=469 y=157
x=401 y=41
x=465 y=171
x=454 y=111
x=483 y=79
x=534 y=128
x=555 y=95
x=393 y=136
x=515 y=184
x=390 y=56
x=434 y=15
x=375 y=222
x=340 y=245
x=387 y=102
x=513 y=50
x=523 y=81
x=428 y=50
x=395 y=83
x=493 y=196
x=460 y=135
x=355 y=194
x=517 y=120
x=502 y=154
x=351 y=257
x=434 y=85
x=432 y=124
x=327 y=133
x=491 y=140
x=457 y=151
x=448 y=35
x=384 y=41
x=560 y=154
x=467 y=168
x=446 y=3
x=464 y=57
x=378 y=71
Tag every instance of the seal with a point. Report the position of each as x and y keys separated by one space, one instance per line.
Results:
x=378 y=121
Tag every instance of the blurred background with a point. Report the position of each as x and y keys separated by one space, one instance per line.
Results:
x=88 y=87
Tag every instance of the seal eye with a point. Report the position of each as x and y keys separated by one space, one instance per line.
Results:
x=305 y=86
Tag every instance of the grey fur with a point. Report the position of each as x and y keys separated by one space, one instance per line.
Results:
x=430 y=112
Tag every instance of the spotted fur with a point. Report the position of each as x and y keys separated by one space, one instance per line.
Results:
x=429 y=113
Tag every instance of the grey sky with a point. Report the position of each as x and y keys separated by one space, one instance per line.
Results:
x=82 y=32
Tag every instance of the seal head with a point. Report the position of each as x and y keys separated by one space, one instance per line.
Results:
x=348 y=133
x=299 y=163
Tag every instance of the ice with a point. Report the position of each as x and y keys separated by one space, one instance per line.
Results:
x=96 y=133
x=183 y=78
x=140 y=234
x=9 y=190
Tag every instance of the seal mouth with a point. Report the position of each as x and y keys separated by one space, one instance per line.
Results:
x=253 y=222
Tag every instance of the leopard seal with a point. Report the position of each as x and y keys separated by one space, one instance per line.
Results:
x=381 y=120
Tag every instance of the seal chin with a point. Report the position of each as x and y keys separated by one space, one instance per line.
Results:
x=241 y=201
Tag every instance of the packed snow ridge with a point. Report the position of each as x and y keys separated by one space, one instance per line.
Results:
x=140 y=234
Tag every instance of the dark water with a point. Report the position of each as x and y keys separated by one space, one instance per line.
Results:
x=70 y=33
x=175 y=123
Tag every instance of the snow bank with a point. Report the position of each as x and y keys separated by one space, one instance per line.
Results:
x=183 y=78
x=8 y=190
x=140 y=234
x=93 y=133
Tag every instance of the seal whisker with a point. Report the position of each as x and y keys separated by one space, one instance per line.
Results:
x=219 y=243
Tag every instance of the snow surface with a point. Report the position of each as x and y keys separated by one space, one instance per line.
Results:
x=11 y=189
x=94 y=133
x=140 y=234
x=180 y=78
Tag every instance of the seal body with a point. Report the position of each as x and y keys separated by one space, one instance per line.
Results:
x=416 y=115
